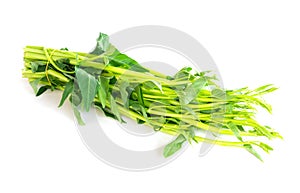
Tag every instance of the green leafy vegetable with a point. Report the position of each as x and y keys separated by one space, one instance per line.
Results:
x=186 y=105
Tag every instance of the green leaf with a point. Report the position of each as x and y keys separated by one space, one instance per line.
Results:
x=183 y=74
x=189 y=134
x=77 y=115
x=111 y=50
x=34 y=66
x=87 y=85
x=191 y=91
x=105 y=60
x=219 y=94
x=261 y=103
x=174 y=146
x=107 y=112
x=139 y=121
x=241 y=128
x=67 y=91
x=124 y=94
x=102 y=44
x=173 y=120
x=235 y=130
x=139 y=109
x=103 y=84
x=229 y=108
x=265 y=147
x=75 y=97
x=263 y=90
x=250 y=149
x=191 y=112
x=65 y=49
x=124 y=61
x=114 y=109
x=138 y=68
x=152 y=84
x=42 y=90
x=34 y=84
x=37 y=66
x=139 y=93
x=63 y=63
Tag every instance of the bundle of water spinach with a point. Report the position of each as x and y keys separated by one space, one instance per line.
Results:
x=188 y=105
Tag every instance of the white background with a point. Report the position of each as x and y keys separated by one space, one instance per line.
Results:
x=252 y=42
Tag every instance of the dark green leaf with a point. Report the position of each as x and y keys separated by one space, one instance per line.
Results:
x=66 y=49
x=108 y=113
x=67 y=91
x=42 y=90
x=139 y=121
x=113 y=80
x=173 y=121
x=139 y=93
x=62 y=63
x=36 y=66
x=174 y=146
x=241 y=128
x=87 y=85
